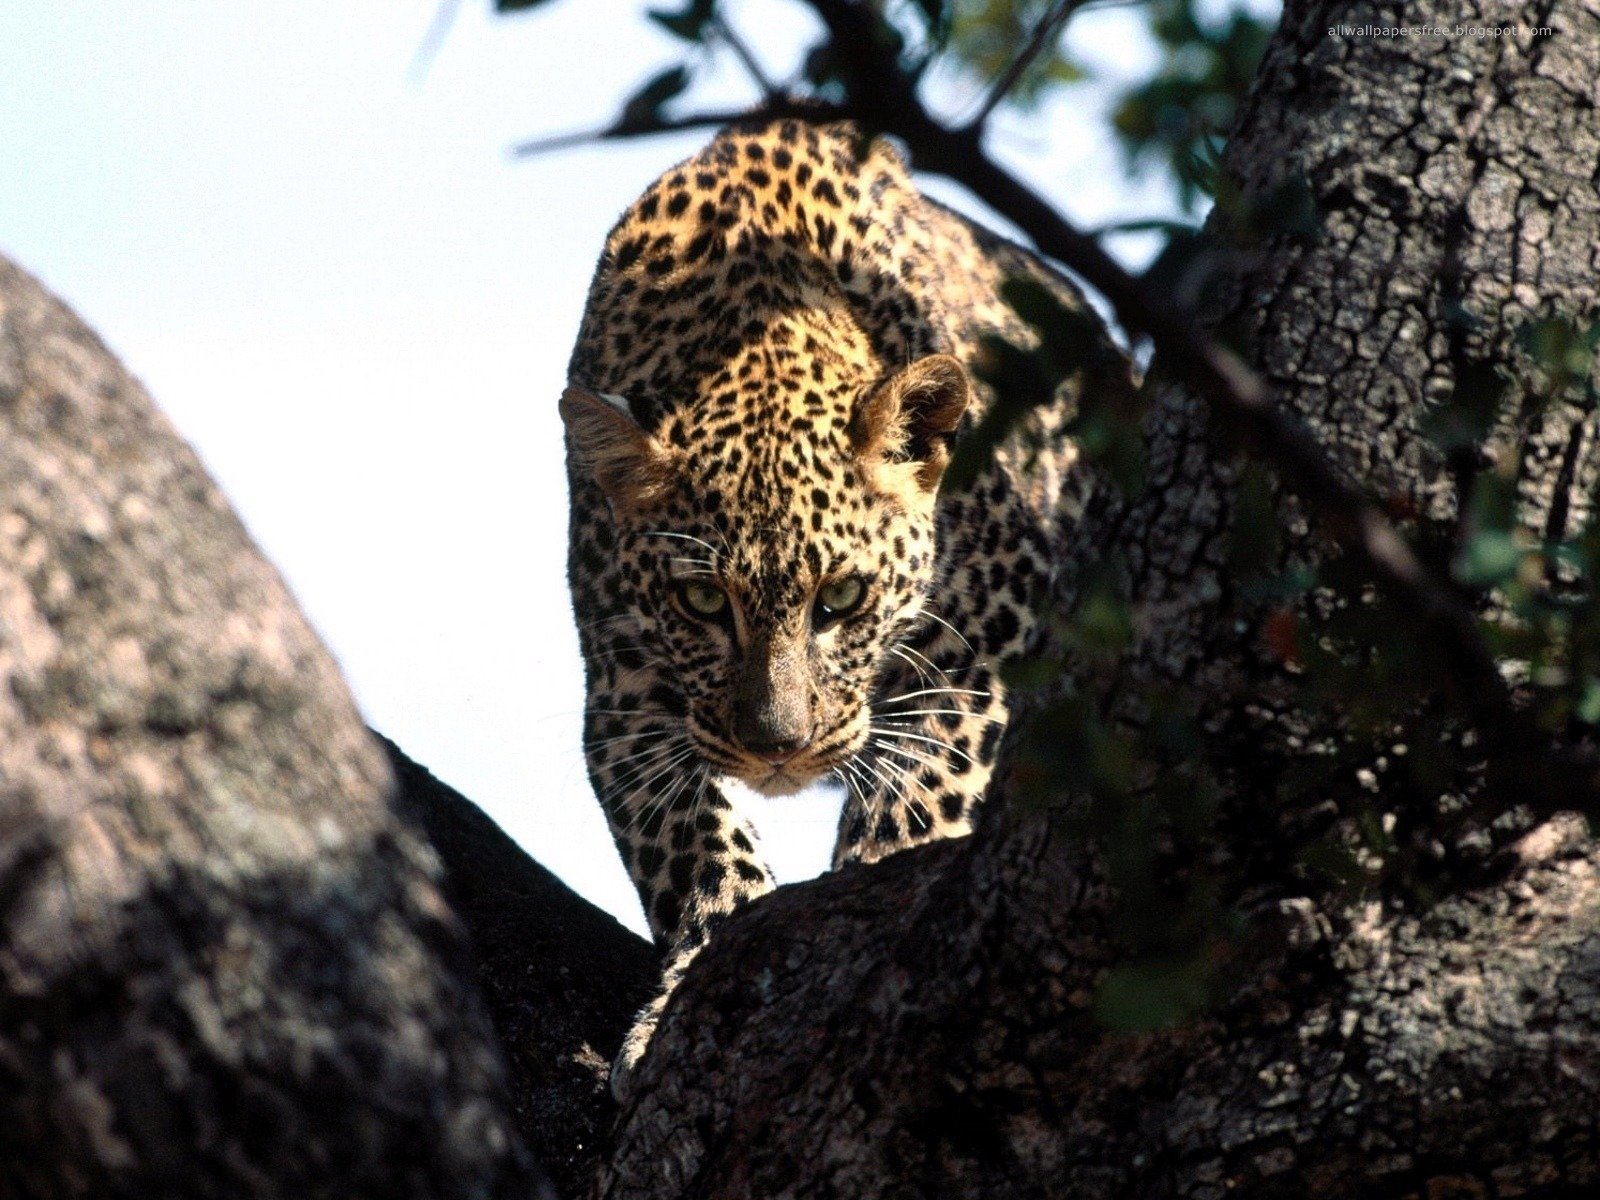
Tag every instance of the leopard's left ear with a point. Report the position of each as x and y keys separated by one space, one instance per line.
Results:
x=905 y=425
x=631 y=467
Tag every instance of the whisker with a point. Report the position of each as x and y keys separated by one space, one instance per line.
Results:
x=684 y=536
x=847 y=777
x=933 y=666
x=944 y=712
x=934 y=692
x=914 y=757
x=917 y=737
x=634 y=765
x=893 y=783
x=596 y=743
x=665 y=799
x=702 y=566
x=650 y=759
x=585 y=626
x=915 y=665
x=863 y=786
x=639 y=793
x=936 y=617
x=619 y=647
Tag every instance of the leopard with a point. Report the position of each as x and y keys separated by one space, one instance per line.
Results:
x=781 y=349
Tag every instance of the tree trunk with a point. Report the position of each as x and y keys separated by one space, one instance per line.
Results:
x=226 y=969
x=927 y=1027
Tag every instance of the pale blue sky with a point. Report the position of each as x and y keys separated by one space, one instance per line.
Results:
x=344 y=292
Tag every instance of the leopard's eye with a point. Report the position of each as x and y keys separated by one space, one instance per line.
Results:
x=840 y=597
x=703 y=598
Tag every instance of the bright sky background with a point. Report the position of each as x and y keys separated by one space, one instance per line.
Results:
x=357 y=306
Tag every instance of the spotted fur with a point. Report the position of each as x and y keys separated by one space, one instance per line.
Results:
x=770 y=372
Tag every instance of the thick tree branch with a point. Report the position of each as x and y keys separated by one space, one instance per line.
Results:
x=562 y=980
x=226 y=968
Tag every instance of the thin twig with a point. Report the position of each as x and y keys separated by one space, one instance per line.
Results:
x=1044 y=33
x=433 y=38
x=746 y=57
x=775 y=108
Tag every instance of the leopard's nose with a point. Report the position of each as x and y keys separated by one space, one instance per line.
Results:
x=772 y=717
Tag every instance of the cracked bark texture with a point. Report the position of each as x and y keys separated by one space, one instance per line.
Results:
x=226 y=968
x=923 y=1027
x=562 y=980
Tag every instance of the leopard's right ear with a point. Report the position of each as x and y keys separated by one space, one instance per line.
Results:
x=631 y=467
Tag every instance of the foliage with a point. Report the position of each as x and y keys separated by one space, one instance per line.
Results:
x=1176 y=119
x=1068 y=345
x=1172 y=120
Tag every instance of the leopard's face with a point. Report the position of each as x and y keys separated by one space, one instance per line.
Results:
x=773 y=614
x=777 y=534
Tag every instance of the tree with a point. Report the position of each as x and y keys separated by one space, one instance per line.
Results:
x=1294 y=917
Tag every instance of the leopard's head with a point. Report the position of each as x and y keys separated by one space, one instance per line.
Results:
x=779 y=524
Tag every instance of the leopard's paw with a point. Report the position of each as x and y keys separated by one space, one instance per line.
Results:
x=633 y=1048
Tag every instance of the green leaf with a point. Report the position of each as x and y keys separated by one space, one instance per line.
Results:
x=1588 y=708
x=1152 y=994
x=1456 y=427
x=1287 y=209
x=1174 y=119
x=1021 y=382
x=1489 y=558
x=689 y=23
x=1108 y=425
x=1560 y=346
x=984 y=36
x=1102 y=625
x=643 y=108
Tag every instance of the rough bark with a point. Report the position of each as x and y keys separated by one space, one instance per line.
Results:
x=226 y=968
x=925 y=1027
x=562 y=980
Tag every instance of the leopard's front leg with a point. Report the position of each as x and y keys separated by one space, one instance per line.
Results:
x=691 y=855
x=937 y=718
